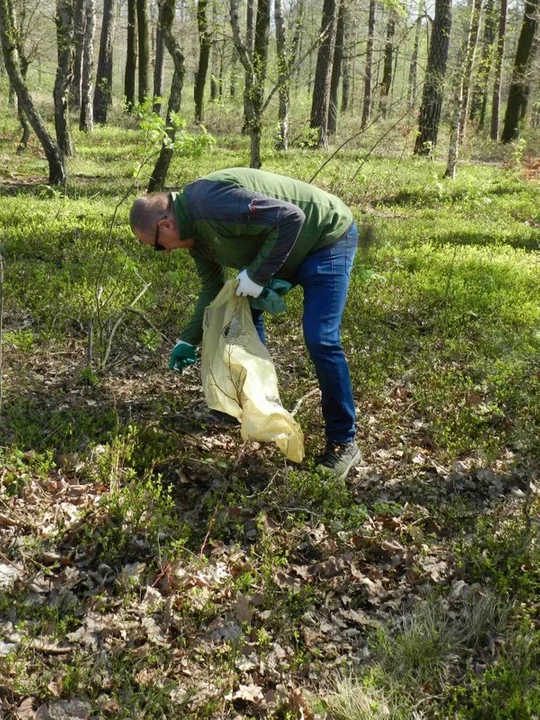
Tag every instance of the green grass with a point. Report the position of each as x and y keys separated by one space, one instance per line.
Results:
x=130 y=507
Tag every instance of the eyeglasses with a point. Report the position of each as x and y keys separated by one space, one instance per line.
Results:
x=157 y=246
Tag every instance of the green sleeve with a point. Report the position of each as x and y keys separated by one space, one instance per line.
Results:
x=212 y=278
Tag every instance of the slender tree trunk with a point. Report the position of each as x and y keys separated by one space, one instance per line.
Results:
x=388 y=64
x=64 y=74
x=54 y=155
x=432 y=97
x=479 y=94
x=234 y=73
x=103 y=93
x=336 y=72
x=260 y=57
x=497 y=80
x=348 y=56
x=255 y=69
x=159 y=59
x=86 y=120
x=248 y=79
x=286 y=57
x=205 y=45
x=79 y=23
x=520 y=84
x=462 y=84
x=159 y=174
x=131 y=55
x=144 y=49
x=368 y=77
x=468 y=69
x=413 y=68
x=323 y=72
x=17 y=24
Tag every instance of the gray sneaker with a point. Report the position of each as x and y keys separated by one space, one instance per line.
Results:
x=338 y=459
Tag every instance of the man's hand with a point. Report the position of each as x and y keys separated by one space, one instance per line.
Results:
x=246 y=286
x=182 y=356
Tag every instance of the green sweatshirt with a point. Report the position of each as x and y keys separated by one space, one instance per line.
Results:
x=245 y=218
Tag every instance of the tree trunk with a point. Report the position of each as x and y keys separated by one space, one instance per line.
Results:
x=336 y=72
x=479 y=95
x=413 y=68
x=368 y=77
x=467 y=71
x=159 y=59
x=54 y=155
x=79 y=22
x=432 y=96
x=64 y=74
x=255 y=70
x=462 y=84
x=144 y=49
x=159 y=174
x=520 y=84
x=131 y=55
x=388 y=64
x=86 y=121
x=248 y=79
x=260 y=57
x=286 y=57
x=323 y=72
x=17 y=24
x=347 y=62
x=103 y=93
x=205 y=45
x=497 y=81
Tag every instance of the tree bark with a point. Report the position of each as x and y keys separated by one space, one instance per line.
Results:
x=205 y=45
x=255 y=69
x=286 y=57
x=159 y=60
x=347 y=62
x=479 y=94
x=86 y=120
x=144 y=49
x=462 y=84
x=248 y=74
x=497 y=81
x=323 y=72
x=103 y=93
x=336 y=71
x=413 y=68
x=520 y=85
x=17 y=24
x=432 y=96
x=79 y=22
x=64 y=74
x=368 y=77
x=131 y=55
x=159 y=174
x=388 y=64
x=54 y=155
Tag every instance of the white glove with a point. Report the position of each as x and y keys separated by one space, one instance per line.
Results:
x=246 y=286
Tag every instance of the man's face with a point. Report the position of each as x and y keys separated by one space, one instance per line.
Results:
x=166 y=236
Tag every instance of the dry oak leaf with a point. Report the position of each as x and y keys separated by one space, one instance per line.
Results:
x=251 y=693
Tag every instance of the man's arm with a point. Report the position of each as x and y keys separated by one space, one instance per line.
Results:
x=237 y=211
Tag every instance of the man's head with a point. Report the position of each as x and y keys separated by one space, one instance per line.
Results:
x=153 y=221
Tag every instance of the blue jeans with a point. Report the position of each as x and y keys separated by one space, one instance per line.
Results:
x=324 y=277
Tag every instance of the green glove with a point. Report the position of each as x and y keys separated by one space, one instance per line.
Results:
x=271 y=299
x=182 y=356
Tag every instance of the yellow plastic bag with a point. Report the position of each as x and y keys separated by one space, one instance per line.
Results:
x=239 y=377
